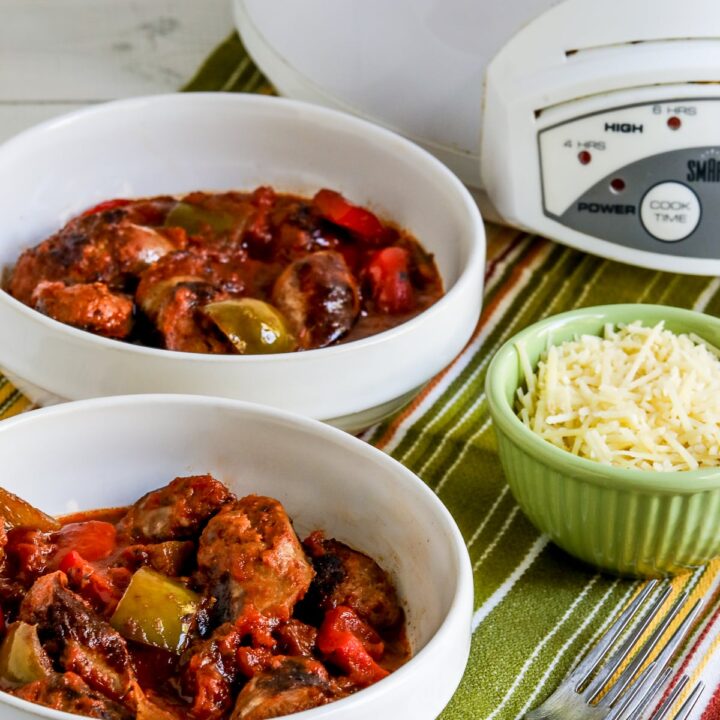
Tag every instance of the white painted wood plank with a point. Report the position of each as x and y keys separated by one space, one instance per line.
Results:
x=89 y=50
x=60 y=55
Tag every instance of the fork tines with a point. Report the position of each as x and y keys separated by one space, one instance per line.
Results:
x=638 y=687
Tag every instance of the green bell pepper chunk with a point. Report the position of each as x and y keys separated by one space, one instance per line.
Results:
x=156 y=610
x=22 y=657
x=254 y=327
x=193 y=218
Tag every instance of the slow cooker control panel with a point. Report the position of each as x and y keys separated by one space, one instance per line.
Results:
x=645 y=176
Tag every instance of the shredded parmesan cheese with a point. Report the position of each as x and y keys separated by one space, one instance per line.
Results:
x=637 y=397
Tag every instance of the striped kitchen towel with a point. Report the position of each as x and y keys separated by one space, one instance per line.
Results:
x=537 y=611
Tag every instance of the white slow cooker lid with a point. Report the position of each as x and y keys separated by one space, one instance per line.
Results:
x=414 y=66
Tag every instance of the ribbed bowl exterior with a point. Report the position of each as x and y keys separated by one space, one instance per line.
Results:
x=629 y=522
x=625 y=532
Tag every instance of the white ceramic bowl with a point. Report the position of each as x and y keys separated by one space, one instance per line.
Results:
x=183 y=142
x=108 y=452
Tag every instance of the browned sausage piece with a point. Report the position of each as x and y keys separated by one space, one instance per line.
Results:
x=210 y=669
x=252 y=559
x=32 y=267
x=91 y=647
x=137 y=246
x=81 y=252
x=319 y=296
x=172 y=557
x=89 y=306
x=171 y=293
x=69 y=693
x=291 y=685
x=177 y=511
x=348 y=577
x=163 y=275
x=181 y=325
x=296 y=638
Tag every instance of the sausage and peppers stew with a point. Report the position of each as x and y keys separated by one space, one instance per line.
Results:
x=191 y=603
x=232 y=272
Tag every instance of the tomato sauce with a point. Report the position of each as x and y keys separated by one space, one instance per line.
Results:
x=232 y=272
x=191 y=603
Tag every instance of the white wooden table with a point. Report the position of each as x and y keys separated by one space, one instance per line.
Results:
x=60 y=55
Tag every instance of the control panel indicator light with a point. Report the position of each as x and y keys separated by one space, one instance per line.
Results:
x=584 y=157
x=674 y=122
x=617 y=185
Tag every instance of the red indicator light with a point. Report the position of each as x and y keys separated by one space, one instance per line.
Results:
x=584 y=157
x=617 y=185
x=674 y=122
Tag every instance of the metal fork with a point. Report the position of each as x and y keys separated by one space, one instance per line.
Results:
x=634 y=692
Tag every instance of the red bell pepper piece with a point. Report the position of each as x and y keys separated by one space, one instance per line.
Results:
x=78 y=546
x=70 y=561
x=390 y=283
x=93 y=539
x=352 y=645
x=107 y=205
x=339 y=211
x=90 y=583
x=257 y=626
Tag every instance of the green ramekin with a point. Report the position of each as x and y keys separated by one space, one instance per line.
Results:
x=630 y=522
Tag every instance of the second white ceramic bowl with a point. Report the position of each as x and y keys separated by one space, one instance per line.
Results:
x=178 y=143
x=109 y=452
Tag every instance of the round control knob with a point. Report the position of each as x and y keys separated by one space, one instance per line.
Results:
x=670 y=211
